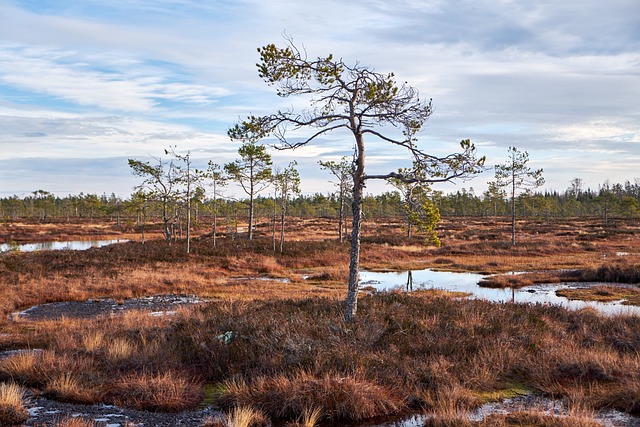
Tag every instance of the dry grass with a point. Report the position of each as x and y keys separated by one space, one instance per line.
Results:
x=603 y=294
x=288 y=349
x=162 y=392
x=436 y=352
x=310 y=418
x=246 y=416
x=30 y=368
x=12 y=401
x=119 y=350
x=337 y=396
x=92 y=341
x=133 y=270
x=67 y=387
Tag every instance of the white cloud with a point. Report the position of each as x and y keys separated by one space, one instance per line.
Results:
x=125 y=78
x=61 y=74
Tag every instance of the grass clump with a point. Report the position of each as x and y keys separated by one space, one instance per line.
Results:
x=612 y=273
x=12 y=400
x=162 y=392
x=336 y=396
x=24 y=367
x=66 y=387
x=631 y=296
x=309 y=418
x=246 y=416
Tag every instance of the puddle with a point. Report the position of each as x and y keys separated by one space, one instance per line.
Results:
x=262 y=279
x=44 y=412
x=76 y=245
x=468 y=283
x=609 y=418
x=10 y=353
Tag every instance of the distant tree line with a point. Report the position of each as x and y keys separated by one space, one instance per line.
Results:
x=607 y=201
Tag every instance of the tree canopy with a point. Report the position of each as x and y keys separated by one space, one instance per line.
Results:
x=362 y=102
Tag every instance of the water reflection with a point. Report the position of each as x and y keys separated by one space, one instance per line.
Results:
x=77 y=245
x=414 y=420
x=468 y=283
x=609 y=417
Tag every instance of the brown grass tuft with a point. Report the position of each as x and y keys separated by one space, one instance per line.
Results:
x=246 y=416
x=337 y=396
x=65 y=387
x=309 y=418
x=164 y=392
x=29 y=367
x=119 y=350
x=12 y=410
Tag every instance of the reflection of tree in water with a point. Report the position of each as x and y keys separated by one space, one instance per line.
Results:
x=409 y=280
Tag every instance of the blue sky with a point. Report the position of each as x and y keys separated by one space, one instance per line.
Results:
x=87 y=84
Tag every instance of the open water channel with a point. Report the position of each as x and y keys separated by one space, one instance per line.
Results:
x=76 y=245
x=468 y=283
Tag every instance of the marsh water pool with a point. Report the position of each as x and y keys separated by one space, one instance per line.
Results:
x=608 y=418
x=75 y=245
x=468 y=283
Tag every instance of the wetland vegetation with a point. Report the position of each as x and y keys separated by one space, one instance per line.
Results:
x=278 y=349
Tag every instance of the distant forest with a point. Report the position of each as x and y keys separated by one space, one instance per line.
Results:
x=610 y=200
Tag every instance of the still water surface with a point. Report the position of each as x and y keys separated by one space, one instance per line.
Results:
x=76 y=245
x=468 y=283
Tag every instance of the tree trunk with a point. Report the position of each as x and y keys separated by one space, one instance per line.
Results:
x=251 y=215
x=354 y=256
x=513 y=211
x=513 y=220
x=215 y=227
x=274 y=220
x=165 y=220
x=215 y=216
x=341 y=216
x=144 y=220
x=188 y=246
x=283 y=211
x=235 y=220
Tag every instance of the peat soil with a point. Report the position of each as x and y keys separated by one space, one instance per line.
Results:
x=156 y=305
x=48 y=413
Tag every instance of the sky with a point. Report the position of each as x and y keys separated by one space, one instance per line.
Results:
x=87 y=84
